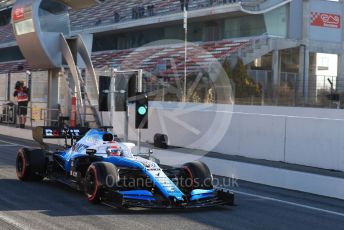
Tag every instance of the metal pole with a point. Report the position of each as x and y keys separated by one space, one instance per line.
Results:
x=139 y=90
x=126 y=121
x=163 y=91
x=8 y=86
x=29 y=85
x=186 y=49
x=112 y=99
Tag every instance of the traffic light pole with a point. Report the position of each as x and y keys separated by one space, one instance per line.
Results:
x=113 y=104
x=139 y=90
x=113 y=94
x=126 y=118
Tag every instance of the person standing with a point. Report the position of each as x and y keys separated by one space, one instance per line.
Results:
x=22 y=94
x=116 y=16
x=150 y=9
x=184 y=3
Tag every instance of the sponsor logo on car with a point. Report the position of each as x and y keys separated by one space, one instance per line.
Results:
x=59 y=133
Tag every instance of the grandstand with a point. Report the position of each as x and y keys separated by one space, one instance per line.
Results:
x=268 y=35
x=148 y=57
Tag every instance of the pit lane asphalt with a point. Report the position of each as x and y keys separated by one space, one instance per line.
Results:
x=50 y=205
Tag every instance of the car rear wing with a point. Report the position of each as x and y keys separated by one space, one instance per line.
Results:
x=47 y=132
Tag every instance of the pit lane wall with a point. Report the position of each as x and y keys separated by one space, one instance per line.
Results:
x=305 y=136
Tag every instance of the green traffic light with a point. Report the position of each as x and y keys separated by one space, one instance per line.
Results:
x=142 y=110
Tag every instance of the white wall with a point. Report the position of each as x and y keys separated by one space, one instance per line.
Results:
x=315 y=142
x=305 y=136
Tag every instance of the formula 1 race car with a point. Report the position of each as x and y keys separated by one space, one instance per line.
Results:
x=98 y=163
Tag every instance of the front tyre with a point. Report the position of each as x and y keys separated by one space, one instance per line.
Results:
x=198 y=176
x=99 y=177
x=30 y=164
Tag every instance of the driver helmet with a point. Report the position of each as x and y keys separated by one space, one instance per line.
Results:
x=113 y=150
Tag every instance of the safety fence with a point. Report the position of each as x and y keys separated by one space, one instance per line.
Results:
x=288 y=90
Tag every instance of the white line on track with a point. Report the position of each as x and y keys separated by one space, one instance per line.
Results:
x=11 y=144
x=11 y=222
x=290 y=203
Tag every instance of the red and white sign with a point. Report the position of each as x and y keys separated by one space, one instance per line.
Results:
x=18 y=14
x=325 y=20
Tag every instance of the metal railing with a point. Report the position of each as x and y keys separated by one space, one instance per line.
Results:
x=157 y=11
x=44 y=116
x=9 y=115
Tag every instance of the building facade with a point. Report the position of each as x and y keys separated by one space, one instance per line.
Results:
x=277 y=40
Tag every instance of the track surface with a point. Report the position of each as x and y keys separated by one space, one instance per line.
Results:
x=49 y=205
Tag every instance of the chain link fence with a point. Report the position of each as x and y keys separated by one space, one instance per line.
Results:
x=290 y=90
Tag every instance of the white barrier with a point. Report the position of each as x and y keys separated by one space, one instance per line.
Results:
x=315 y=142
x=304 y=136
x=277 y=177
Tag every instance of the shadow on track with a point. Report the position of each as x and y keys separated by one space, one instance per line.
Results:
x=55 y=199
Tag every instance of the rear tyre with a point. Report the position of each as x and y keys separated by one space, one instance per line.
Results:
x=99 y=177
x=31 y=164
x=198 y=176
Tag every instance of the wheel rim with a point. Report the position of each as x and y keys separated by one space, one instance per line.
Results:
x=191 y=177
x=91 y=184
x=20 y=166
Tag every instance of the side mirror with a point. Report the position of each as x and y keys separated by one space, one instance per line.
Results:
x=91 y=152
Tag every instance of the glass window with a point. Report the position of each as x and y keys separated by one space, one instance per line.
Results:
x=244 y=26
x=5 y=17
x=174 y=32
x=212 y=31
x=3 y=86
x=276 y=21
x=39 y=90
x=54 y=17
x=10 y=54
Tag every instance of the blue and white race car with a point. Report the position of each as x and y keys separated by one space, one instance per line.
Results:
x=106 y=170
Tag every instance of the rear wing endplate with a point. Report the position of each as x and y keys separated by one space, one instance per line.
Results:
x=46 y=132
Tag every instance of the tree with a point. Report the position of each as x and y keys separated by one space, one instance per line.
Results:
x=245 y=86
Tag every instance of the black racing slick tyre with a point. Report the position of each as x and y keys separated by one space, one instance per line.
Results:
x=199 y=175
x=31 y=164
x=99 y=177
